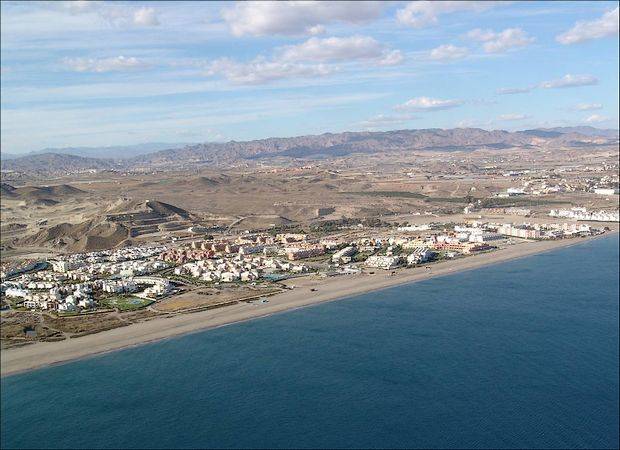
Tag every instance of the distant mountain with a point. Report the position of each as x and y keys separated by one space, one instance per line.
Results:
x=585 y=131
x=51 y=163
x=7 y=156
x=342 y=144
x=110 y=152
x=323 y=146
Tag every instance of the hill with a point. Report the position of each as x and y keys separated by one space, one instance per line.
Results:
x=165 y=209
x=29 y=193
x=82 y=237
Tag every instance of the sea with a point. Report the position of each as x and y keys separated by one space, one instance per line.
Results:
x=522 y=354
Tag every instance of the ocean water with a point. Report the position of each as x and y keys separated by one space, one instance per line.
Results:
x=522 y=354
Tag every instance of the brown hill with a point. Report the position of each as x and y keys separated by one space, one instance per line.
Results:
x=6 y=190
x=82 y=237
x=31 y=193
x=165 y=209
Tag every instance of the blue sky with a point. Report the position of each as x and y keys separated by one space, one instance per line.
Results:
x=116 y=73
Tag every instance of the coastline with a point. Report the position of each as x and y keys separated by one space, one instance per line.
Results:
x=41 y=354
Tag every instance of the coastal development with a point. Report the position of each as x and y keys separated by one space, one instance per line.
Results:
x=132 y=278
x=70 y=297
x=97 y=260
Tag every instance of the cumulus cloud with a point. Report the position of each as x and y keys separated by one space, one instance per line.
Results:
x=595 y=118
x=510 y=91
x=569 y=80
x=424 y=13
x=448 y=52
x=341 y=49
x=383 y=120
x=513 y=117
x=586 y=30
x=100 y=65
x=295 y=17
x=428 y=104
x=499 y=42
x=311 y=58
x=145 y=17
x=261 y=70
x=588 y=106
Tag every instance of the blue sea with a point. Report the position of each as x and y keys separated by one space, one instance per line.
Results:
x=521 y=354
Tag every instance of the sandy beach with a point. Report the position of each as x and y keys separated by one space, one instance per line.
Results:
x=41 y=354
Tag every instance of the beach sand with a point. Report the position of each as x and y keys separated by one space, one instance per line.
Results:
x=41 y=354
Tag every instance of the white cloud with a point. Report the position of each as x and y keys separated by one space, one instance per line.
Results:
x=341 y=49
x=596 y=118
x=114 y=13
x=448 y=52
x=295 y=18
x=569 y=80
x=588 y=106
x=513 y=117
x=499 y=42
x=585 y=30
x=424 y=13
x=383 y=120
x=334 y=49
x=317 y=29
x=510 y=91
x=391 y=58
x=261 y=71
x=145 y=17
x=428 y=104
x=116 y=64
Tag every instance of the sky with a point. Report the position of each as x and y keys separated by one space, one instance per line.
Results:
x=120 y=73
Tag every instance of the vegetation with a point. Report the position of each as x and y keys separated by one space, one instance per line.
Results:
x=361 y=256
x=407 y=194
x=329 y=226
x=503 y=202
x=126 y=302
x=403 y=194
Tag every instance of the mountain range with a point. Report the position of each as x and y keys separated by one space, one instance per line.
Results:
x=326 y=145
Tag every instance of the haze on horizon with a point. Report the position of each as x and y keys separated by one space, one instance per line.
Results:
x=122 y=73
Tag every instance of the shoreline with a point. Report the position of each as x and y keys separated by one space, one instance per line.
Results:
x=42 y=354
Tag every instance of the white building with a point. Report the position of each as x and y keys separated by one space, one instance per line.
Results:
x=606 y=191
x=485 y=237
x=420 y=255
x=15 y=292
x=345 y=253
x=61 y=266
x=383 y=262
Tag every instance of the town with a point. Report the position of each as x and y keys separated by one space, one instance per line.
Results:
x=137 y=277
